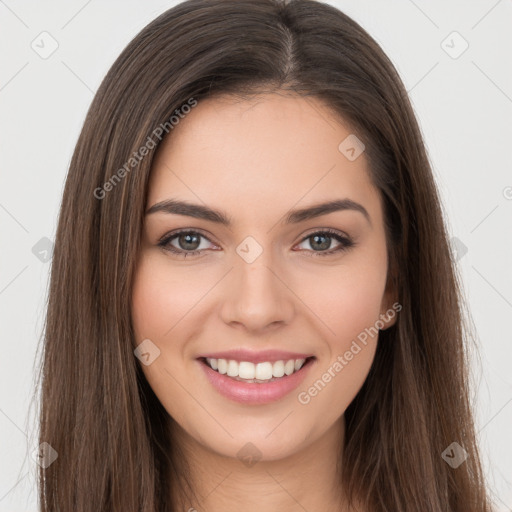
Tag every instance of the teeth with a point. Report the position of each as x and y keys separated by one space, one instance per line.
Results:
x=232 y=369
x=222 y=365
x=249 y=371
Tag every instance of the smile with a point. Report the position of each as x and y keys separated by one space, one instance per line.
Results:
x=255 y=383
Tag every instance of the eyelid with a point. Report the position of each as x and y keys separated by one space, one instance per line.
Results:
x=331 y=231
x=171 y=234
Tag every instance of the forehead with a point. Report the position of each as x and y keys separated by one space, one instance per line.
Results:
x=256 y=154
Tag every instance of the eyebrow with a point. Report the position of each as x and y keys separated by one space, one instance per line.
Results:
x=173 y=206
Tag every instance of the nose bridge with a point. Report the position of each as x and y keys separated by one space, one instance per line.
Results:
x=257 y=296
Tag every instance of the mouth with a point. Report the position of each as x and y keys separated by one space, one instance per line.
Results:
x=259 y=383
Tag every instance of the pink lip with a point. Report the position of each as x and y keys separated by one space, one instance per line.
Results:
x=256 y=357
x=254 y=393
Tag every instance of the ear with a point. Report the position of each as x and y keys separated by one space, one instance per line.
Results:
x=389 y=304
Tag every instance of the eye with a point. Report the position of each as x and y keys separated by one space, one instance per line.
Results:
x=323 y=239
x=188 y=242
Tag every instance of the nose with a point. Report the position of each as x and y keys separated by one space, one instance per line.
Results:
x=256 y=296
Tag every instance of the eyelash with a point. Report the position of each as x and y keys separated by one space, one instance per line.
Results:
x=346 y=242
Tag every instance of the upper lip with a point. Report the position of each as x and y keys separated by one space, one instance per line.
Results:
x=255 y=357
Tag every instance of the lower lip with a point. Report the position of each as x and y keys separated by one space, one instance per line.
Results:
x=254 y=393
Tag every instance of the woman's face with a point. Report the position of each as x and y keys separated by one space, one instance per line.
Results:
x=263 y=283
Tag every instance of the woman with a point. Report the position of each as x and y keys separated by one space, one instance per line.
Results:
x=196 y=356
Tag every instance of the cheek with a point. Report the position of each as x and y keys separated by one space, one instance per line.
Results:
x=350 y=312
x=356 y=309
x=335 y=384
x=159 y=302
x=162 y=297
x=348 y=299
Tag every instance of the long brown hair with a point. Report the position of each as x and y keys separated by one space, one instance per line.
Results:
x=113 y=437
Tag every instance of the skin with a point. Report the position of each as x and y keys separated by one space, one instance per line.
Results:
x=256 y=160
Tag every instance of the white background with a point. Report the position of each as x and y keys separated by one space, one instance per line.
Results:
x=464 y=106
